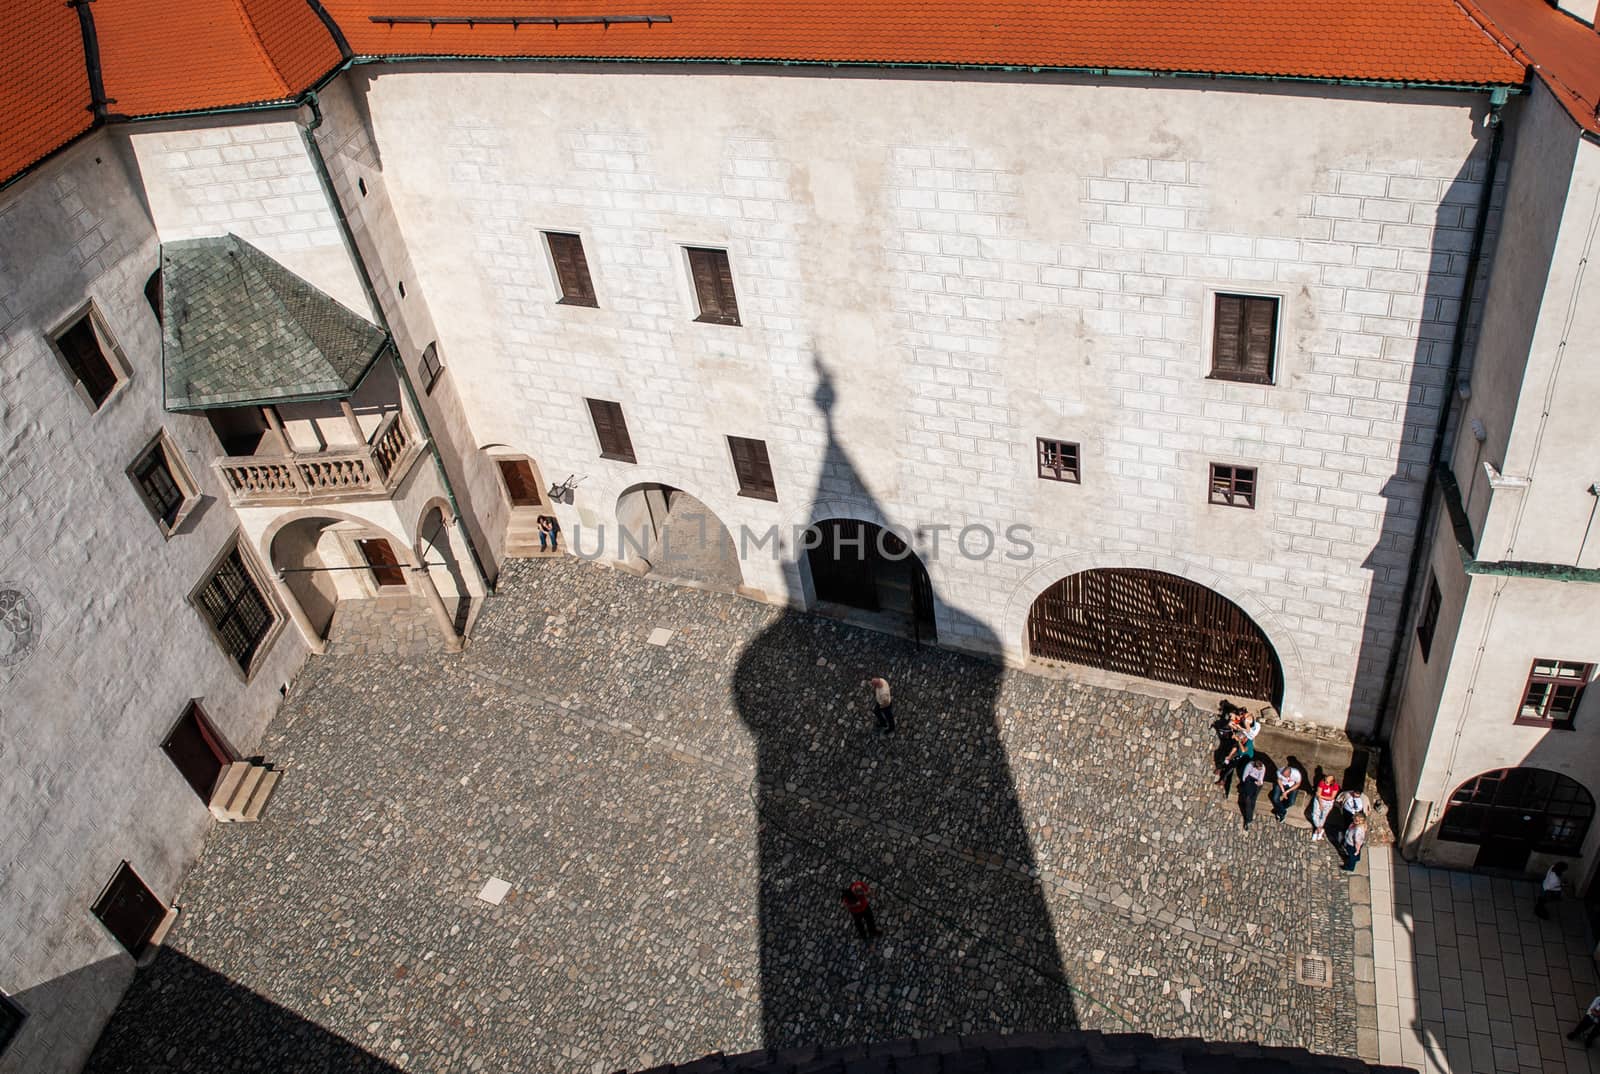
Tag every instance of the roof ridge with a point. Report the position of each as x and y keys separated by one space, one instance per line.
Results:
x=1514 y=48
x=1491 y=29
x=261 y=47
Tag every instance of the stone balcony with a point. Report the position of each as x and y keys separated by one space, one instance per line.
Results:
x=286 y=478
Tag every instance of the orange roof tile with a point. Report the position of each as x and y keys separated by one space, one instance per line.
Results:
x=44 y=85
x=1563 y=52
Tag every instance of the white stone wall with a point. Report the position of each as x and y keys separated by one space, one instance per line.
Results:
x=975 y=263
x=117 y=651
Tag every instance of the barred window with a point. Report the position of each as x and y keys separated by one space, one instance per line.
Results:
x=1550 y=810
x=1233 y=486
x=163 y=483
x=236 y=609
x=1058 y=461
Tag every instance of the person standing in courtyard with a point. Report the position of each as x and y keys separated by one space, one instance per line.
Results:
x=883 y=704
x=1354 y=804
x=1550 y=889
x=1284 y=789
x=1244 y=749
x=1590 y=1023
x=1249 y=788
x=857 y=899
x=1321 y=805
x=1354 y=839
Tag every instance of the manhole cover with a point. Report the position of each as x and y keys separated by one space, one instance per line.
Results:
x=1314 y=970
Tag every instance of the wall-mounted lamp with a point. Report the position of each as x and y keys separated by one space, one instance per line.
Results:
x=562 y=493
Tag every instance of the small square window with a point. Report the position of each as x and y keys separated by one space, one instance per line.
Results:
x=753 y=468
x=1555 y=687
x=572 y=269
x=91 y=357
x=236 y=608
x=431 y=367
x=1058 y=461
x=1430 y=618
x=1233 y=486
x=1244 y=338
x=164 y=484
x=713 y=286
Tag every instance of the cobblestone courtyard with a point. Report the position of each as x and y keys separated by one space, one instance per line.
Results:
x=675 y=820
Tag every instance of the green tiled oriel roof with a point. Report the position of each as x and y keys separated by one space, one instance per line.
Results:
x=238 y=328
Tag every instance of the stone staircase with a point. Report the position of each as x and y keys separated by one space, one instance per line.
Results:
x=242 y=791
x=522 y=536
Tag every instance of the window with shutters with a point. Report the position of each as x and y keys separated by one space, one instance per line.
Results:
x=1430 y=618
x=164 y=484
x=430 y=366
x=129 y=910
x=1058 y=461
x=235 y=607
x=1233 y=486
x=753 y=468
x=1244 y=338
x=572 y=269
x=91 y=357
x=611 y=430
x=1554 y=689
x=713 y=285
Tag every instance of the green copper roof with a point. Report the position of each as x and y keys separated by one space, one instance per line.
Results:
x=238 y=328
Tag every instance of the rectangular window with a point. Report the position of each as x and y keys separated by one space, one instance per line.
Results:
x=753 y=468
x=713 y=286
x=611 y=430
x=164 y=484
x=11 y=1019
x=1554 y=689
x=129 y=910
x=1244 y=338
x=199 y=753
x=92 y=358
x=572 y=269
x=431 y=367
x=1233 y=486
x=1430 y=618
x=1058 y=461
x=238 y=612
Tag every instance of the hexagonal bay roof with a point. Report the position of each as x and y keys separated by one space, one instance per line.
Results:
x=238 y=328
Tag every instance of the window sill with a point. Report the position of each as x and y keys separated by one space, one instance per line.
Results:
x=770 y=497
x=633 y=460
x=1063 y=479
x=591 y=304
x=725 y=322
x=1266 y=383
x=1225 y=503
x=1548 y=725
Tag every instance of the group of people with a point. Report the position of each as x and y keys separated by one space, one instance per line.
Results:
x=1237 y=756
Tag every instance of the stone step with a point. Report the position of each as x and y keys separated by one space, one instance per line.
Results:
x=258 y=798
x=241 y=796
x=232 y=776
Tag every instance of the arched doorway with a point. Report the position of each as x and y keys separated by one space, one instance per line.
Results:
x=667 y=533
x=1156 y=626
x=438 y=553
x=1512 y=812
x=862 y=566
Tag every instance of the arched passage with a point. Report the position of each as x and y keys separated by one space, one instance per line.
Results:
x=437 y=536
x=1512 y=812
x=862 y=566
x=1157 y=626
x=671 y=535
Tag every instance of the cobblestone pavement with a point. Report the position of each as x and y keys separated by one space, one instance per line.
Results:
x=675 y=820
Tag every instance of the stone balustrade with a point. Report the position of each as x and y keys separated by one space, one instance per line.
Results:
x=347 y=473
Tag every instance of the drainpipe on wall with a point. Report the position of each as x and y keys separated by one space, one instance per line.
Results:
x=1458 y=347
x=320 y=166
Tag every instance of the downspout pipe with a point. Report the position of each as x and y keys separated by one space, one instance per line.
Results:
x=320 y=166
x=1458 y=348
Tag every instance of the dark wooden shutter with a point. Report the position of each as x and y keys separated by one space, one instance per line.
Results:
x=713 y=286
x=753 y=468
x=1244 y=333
x=612 y=430
x=129 y=910
x=80 y=346
x=197 y=750
x=572 y=269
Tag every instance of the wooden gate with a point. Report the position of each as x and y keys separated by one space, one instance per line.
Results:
x=1156 y=626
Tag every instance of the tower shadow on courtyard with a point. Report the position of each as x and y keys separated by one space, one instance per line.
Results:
x=928 y=816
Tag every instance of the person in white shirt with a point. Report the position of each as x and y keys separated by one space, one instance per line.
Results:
x=1249 y=787
x=1550 y=890
x=1284 y=788
x=883 y=704
x=1355 y=840
x=1590 y=1021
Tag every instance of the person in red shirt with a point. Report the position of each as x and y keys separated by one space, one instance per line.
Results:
x=857 y=899
x=1321 y=804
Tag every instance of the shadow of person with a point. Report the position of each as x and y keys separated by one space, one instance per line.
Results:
x=927 y=816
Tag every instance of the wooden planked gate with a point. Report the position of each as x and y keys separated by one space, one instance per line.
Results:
x=1157 y=626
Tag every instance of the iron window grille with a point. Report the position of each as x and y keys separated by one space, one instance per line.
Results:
x=1244 y=338
x=1233 y=486
x=431 y=366
x=1551 y=697
x=1430 y=618
x=1552 y=811
x=238 y=612
x=1059 y=461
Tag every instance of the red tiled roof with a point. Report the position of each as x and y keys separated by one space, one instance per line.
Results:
x=1563 y=52
x=44 y=85
x=160 y=57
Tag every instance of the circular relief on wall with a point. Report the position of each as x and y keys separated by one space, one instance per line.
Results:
x=19 y=623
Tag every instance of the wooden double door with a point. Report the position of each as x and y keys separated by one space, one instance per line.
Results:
x=1156 y=626
x=860 y=565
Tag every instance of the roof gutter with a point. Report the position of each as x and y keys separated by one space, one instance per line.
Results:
x=91 y=60
x=347 y=233
x=1461 y=527
x=1458 y=347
